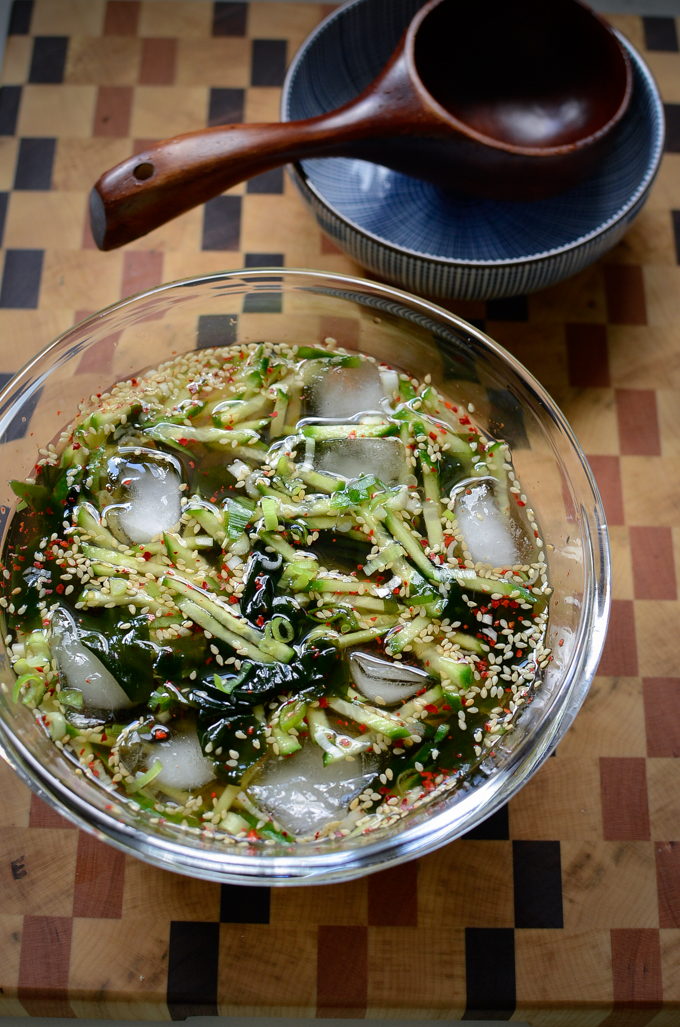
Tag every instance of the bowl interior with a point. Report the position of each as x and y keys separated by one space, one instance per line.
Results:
x=412 y=335
x=547 y=74
x=344 y=55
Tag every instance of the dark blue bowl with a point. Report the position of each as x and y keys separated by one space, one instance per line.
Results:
x=442 y=243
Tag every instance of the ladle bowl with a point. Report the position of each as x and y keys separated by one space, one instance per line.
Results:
x=512 y=101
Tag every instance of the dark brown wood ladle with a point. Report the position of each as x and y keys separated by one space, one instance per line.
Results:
x=513 y=99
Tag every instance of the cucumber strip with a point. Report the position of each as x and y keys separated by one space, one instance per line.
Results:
x=404 y=634
x=287 y=744
x=190 y=541
x=103 y=570
x=166 y=431
x=469 y=581
x=384 y=557
x=289 y=554
x=231 y=411
x=351 y=586
x=327 y=432
x=117 y=587
x=458 y=671
x=257 y=454
x=278 y=415
x=432 y=510
x=433 y=524
x=420 y=592
x=418 y=704
x=204 y=620
x=279 y=650
x=358 y=637
x=321 y=482
x=358 y=602
x=133 y=563
x=88 y=520
x=411 y=543
x=239 y=625
x=180 y=554
x=165 y=622
x=226 y=798
x=468 y=642
x=383 y=723
x=331 y=524
x=94 y=597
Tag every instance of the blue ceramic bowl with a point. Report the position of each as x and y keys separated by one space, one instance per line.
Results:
x=442 y=243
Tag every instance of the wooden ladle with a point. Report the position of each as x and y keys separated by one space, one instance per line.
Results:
x=513 y=99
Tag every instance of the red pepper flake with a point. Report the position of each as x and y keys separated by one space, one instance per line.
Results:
x=252 y=835
x=431 y=708
x=76 y=445
x=233 y=600
x=433 y=436
x=323 y=703
x=183 y=442
x=147 y=556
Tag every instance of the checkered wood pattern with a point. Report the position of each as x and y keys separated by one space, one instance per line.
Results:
x=564 y=909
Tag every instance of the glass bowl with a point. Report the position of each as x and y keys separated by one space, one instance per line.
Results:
x=412 y=335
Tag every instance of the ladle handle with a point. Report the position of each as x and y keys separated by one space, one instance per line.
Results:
x=150 y=188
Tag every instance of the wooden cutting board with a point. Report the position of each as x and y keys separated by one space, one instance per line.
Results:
x=564 y=908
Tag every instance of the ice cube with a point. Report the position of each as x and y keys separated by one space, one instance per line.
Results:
x=303 y=795
x=385 y=679
x=154 y=500
x=346 y=391
x=184 y=765
x=350 y=458
x=80 y=668
x=489 y=536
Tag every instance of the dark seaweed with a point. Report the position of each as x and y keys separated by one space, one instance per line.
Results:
x=128 y=654
x=263 y=573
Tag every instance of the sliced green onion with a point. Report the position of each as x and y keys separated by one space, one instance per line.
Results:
x=270 y=512
x=144 y=779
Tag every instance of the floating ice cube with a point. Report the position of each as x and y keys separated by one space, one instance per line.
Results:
x=184 y=765
x=154 y=500
x=385 y=679
x=489 y=536
x=80 y=668
x=303 y=795
x=351 y=458
x=346 y=391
